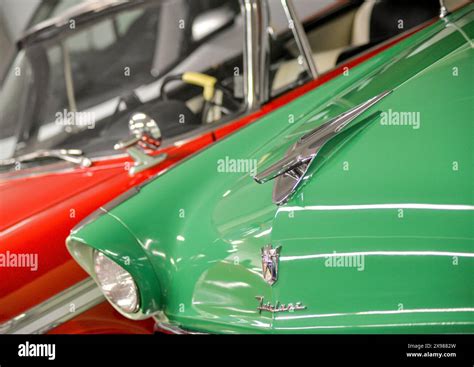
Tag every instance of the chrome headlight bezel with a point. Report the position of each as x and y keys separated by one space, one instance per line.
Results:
x=149 y=303
x=117 y=285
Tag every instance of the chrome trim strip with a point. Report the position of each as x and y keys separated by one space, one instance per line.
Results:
x=104 y=209
x=89 y=219
x=74 y=156
x=173 y=329
x=55 y=310
x=300 y=37
x=166 y=326
x=81 y=12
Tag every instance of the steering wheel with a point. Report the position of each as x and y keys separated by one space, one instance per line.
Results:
x=208 y=83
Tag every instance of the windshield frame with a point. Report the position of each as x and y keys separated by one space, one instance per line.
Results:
x=29 y=129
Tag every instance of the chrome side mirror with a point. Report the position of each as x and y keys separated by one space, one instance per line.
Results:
x=147 y=139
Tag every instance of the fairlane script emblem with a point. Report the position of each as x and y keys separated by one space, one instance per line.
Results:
x=270 y=257
x=278 y=307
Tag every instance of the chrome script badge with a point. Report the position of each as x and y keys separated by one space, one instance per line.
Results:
x=270 y=257
x=278 y=307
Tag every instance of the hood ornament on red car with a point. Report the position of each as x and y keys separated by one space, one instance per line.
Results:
x=291 y=170
x=147 y=139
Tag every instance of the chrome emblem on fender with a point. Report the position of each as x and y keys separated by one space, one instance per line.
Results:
x=270 y=257
x=278 y=307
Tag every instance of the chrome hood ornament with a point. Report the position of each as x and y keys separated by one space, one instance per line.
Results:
x=147 y=139
x=291 y=170
x=270 y=258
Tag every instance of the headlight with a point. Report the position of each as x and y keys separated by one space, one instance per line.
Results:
x=116 y=283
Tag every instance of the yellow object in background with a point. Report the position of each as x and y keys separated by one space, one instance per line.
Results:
x=202 y=80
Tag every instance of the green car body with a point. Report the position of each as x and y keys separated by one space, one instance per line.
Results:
x=397 y=199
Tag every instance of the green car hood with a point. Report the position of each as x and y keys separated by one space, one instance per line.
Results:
x=396 y=200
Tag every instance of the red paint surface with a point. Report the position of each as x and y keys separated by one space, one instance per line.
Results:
x=104 y=319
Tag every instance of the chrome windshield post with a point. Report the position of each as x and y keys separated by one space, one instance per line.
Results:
x=300 y=37
x=256 y=52
x=68 y=78
x=443 y=10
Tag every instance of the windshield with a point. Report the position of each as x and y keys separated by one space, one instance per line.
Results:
x=67 y=91
x=77 y=88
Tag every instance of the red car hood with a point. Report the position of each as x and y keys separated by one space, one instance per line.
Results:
x=22 y=198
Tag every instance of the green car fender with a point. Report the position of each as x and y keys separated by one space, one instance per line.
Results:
x=107 y=235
